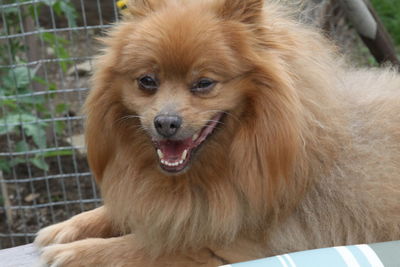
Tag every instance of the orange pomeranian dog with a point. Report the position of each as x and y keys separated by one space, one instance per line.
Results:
x=221 y=131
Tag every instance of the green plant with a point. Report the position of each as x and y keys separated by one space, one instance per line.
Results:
x=388 y=11
x=17 y=96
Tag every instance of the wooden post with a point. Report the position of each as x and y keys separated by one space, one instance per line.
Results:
x=32 y=48
x=371 y=30
x=7 y=203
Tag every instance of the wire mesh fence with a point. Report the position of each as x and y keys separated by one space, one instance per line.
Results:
x=46 y=52
x=46 y=48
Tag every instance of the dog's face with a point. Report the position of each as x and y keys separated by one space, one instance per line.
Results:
x=182 y=75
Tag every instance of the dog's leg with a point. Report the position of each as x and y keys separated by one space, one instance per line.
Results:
x=119 y=251
x=94 y=223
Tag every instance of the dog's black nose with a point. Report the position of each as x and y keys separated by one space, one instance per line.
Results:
x=167 y=125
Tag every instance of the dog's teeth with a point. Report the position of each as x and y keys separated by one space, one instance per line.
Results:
x=184 y=155
x=160 y=154
x=195 y=136
x=172 y=164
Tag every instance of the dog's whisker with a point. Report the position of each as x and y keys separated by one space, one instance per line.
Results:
x=231 y=115
x=221 y=111
x=139 y=128
x=213 y=121
x=127 y=117
x=218 y=122
x=133 y=117
x=217 y=127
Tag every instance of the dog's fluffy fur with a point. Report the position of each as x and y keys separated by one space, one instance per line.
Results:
x=307 y=156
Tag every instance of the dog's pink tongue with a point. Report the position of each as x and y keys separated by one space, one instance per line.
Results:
x=173 y=150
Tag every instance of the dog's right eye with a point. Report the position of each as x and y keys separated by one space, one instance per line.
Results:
x=203 y=86
x=148 y=83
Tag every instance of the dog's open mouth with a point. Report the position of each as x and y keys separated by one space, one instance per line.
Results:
x=175 y=155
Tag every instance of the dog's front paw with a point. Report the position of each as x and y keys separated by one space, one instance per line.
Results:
x=91 y=252
x=57 y=255
x=94 y=223
x=63 y=255
x=64 y=232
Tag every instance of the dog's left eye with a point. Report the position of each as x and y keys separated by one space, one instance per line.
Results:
x=148 y=83
x=203 y=85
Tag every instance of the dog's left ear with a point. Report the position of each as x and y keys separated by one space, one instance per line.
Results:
x=245 y=11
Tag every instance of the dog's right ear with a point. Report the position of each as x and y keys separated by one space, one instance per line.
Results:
x=141 y=8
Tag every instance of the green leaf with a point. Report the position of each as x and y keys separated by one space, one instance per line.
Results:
x=42 y=108
x=53 y=39
x=34 y=10
x=57 y=7
x=49 y=2
x=23 y=76
x=5 y=166
x=58 y=45
x=52 y=87
x=8 y=123
x=66 y=152
x=11 y=103
x=70 y=12
x=30 y=125
x=20 y=118
x=37 y=133
x=19 y=78
x=62 y=53
x=40 y=163
x=62 y=108
x=17 y=160
x=60 y=127
x=34 y=99
x=40 y=80
x=21 y=146
x=5 y=130
x=10 y=10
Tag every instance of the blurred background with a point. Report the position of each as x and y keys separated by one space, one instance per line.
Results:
x=46 y=52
